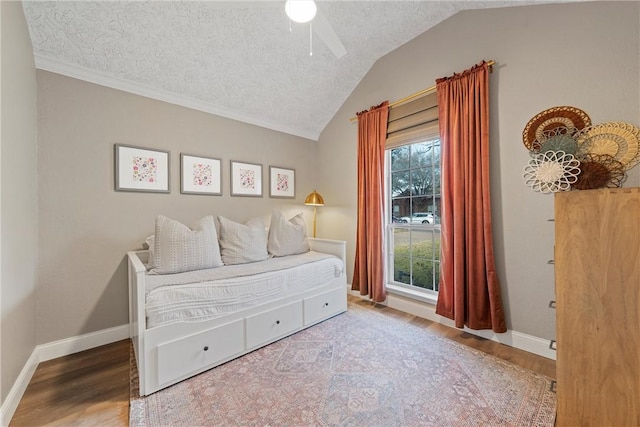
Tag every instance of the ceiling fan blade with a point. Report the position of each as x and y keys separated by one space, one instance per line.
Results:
x=320 y=23
x=324 y=30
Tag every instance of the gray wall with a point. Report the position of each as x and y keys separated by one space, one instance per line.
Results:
x=582 y=54
x=86 y=227
x=18 y=216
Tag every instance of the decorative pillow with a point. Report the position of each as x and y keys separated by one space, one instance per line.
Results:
x=240 y=243
x=177 y=248
x=287 y=237
x=151 y=246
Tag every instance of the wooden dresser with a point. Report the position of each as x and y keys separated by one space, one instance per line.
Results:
x=597 y=268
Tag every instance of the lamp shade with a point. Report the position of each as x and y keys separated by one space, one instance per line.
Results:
x=300 y=11
x=314 y=199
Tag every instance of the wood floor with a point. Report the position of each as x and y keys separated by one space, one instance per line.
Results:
x=91 y=388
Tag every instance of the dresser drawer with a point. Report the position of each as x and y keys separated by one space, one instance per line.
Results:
x=325 y=305
x=273 y=324
x=196 y=352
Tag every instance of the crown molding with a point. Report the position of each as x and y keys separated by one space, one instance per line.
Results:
x=53 y=65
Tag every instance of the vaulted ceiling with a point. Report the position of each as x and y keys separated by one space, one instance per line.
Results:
x=241 y=60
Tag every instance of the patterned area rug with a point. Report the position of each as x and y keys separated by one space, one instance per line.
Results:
x=360 y=368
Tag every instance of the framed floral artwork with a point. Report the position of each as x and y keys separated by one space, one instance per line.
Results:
x=246 y=179
x=200 y=175
x=141 y=169
x=282 y=182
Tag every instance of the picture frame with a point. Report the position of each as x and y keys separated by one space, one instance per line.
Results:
x=200 y=175
x=282 y=182
x=246 y=179
x=141 y=169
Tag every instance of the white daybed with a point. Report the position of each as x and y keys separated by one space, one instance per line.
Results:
x=173 y=351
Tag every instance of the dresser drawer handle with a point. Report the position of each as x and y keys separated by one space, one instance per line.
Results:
x=326 y=304
x=277 y=322
x=206 y=348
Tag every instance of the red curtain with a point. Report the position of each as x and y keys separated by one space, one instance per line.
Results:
x=469 y=290
x=368 y=276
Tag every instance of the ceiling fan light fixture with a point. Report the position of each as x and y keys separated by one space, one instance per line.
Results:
x=300 y=11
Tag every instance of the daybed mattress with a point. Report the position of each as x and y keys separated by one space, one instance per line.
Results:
x=206 y=294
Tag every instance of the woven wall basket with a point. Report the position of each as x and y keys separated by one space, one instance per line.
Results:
x=572 y=118
x=599 y=171
x=619 y=140
x=558 y=139
x=551 y=172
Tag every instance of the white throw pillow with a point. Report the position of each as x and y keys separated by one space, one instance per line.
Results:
x=178 y=248
x=287 y=237
x=242 y=243
x=151 y=246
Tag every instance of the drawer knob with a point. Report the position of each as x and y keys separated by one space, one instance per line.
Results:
x=206 y=348
x=277 y=322
x=326 y=304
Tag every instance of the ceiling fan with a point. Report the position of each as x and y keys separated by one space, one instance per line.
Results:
x=301 y=11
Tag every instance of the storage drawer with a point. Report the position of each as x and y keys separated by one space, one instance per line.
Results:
x=273 y=324
x=196 y=352
x=327 y=304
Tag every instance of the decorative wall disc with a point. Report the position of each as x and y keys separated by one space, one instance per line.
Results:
x=599 y=171
x=571 y=118
x=617 y=139
x=560 y=142
x=551 y=171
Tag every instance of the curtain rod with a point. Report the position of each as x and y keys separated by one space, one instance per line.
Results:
x=490 y=63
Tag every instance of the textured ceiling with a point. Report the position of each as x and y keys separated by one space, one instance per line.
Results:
x=234 y=59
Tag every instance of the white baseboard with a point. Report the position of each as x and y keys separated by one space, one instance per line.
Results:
x=72 y=345
x=10 y=404
x=52 y=350
x=511 y=338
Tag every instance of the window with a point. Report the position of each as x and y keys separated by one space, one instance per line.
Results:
x=413 y=205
